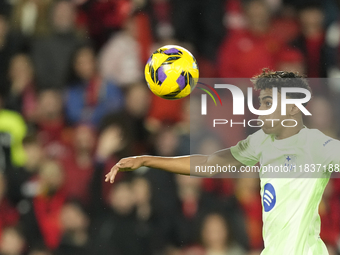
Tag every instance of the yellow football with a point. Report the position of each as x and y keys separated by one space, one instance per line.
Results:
x=171 y=72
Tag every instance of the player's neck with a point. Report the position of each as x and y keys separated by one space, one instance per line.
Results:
x=289 y=131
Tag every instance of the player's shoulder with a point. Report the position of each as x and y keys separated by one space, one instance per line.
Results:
x=323 y=148
x=318 y=139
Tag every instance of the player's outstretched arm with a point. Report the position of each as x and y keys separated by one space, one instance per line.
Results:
x=178 y=165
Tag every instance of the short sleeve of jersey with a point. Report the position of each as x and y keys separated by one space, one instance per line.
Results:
x=248 y=150
x=331 y=152
x=325 y=150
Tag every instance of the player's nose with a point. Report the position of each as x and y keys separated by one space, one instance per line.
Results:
x=262 y=107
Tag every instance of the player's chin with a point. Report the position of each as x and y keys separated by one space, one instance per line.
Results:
x=267 y=130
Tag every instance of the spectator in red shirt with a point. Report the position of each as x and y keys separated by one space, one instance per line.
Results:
x=41 y=220
x=291 y=60
x=244 y=53
x=50 y=122
x=163 y=111
x=104 y=17
x=285 y=26
x=78 y=164
x=48 y=204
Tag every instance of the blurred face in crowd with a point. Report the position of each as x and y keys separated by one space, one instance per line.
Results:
x=51 y=176
x=188 y=187
x=73 y=218
x=85 y=63
x=311 y=21
x=138 y=100
x=258 y=15
x=20 y=72
x=247 y=189
x=214 y=232
x=84 y=138
x=34 y=155
x=166 y=142
x=121 y=198
x=141 y=190
x=113 y=134
x=63 y=16
x=11 y=242
x=50 y=104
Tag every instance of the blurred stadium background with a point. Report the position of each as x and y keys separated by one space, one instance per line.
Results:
x=73 y=101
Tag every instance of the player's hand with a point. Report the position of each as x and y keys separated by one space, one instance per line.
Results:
x=124 y=165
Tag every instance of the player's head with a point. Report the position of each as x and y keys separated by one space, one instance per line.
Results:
x=265 y=82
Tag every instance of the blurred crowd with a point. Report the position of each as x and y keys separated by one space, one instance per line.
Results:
x=73 y=101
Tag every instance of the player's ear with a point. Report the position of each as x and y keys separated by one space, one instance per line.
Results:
x=293 y=109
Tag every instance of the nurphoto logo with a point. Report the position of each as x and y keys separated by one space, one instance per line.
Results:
x=238 y=104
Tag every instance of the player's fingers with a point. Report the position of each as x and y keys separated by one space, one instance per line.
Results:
x=114 y=172
x=107 y=176
x=122 y=165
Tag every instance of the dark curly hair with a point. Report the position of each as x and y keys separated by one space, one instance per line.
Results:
x=269 y=79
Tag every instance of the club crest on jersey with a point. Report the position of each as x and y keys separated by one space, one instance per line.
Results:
x=269 y=197
x=290 y=162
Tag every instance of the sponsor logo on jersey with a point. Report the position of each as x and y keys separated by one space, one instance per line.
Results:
x=327 y=142
x=269 y=197
x=290 y=162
